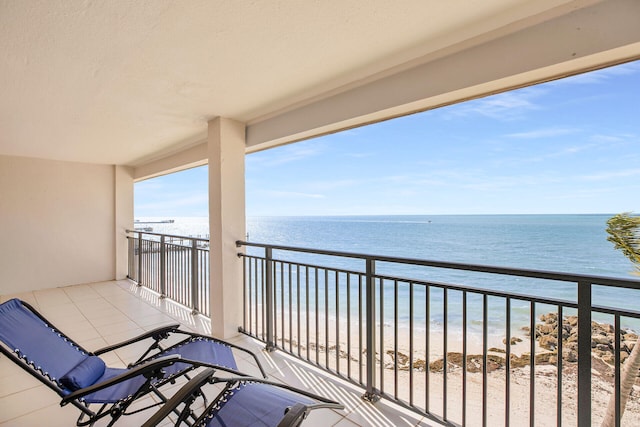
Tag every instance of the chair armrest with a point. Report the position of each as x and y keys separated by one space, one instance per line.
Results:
x=181 y=396
x=157 y=334
x=233 y=346
x=294 y=416
x=142 y=369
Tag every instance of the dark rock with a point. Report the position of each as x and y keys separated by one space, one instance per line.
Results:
x=548 y=342
x=514 y=340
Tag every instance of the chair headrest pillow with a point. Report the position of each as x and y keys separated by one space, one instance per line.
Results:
x=84 y=374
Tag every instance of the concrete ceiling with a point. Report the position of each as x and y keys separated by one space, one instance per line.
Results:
x=120 y=81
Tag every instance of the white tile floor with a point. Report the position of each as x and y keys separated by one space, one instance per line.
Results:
x=99 y=314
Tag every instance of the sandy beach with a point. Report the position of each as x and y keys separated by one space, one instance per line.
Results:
x=423 y=383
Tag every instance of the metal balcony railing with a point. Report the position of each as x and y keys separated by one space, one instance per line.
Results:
x=436 y=347
x=442 y=339
x=176 y=267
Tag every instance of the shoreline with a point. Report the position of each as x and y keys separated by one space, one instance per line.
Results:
x=426 y=375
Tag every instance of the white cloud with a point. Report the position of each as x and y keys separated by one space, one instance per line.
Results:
x=608 y=175
x=600 y=76
x=543 y=133
x=503 y=106
x=295 y=195
x=286 y=154
x=601 y=138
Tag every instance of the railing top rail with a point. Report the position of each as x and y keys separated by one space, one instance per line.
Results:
x=540 y=274
x=199 y=239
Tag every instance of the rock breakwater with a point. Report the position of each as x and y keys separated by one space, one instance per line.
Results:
x=548 y=332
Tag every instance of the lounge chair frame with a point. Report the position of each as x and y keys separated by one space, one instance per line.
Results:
x=151 y=364
x=189 y=393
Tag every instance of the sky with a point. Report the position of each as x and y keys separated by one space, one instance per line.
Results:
x=570 y=146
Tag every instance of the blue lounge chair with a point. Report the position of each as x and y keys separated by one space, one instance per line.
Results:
x=243 y=402
x=81 y=378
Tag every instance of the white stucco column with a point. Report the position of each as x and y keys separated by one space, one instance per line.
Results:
x=226 y=147
x=123 y=217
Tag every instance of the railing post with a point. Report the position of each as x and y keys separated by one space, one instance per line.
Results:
x=269 y=297
x=584 y=354
x=131 y=253
x=163 y=265
x=194 y=278
x=139 y=275
x=371 y=393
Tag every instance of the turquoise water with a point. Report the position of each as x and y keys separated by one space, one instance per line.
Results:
x=569 y=243
x=562 y=243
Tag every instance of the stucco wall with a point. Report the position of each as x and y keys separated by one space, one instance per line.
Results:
x=57 y=223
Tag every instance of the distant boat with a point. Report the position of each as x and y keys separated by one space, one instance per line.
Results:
x=147 y=229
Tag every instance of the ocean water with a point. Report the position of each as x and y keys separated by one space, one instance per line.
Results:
x=568 y=243
x=561 y=243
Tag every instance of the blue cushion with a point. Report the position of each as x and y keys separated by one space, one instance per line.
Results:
x=256 y=404
x=83 y=374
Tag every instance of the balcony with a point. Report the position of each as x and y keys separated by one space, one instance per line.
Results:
x=328 y=308
x=312 y=315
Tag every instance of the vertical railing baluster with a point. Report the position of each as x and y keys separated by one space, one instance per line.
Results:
x=257 y=287
x=168 y=287
x=464 y=359
x=427 y=337
x=130 y=258
x=282 y=326
x=337 y=280
x=317 y=336
x=195 y=307
x=263 y=296
x=298 y=307
x=507 y=380
x=532 y=366
x=258 y=308
x=360 y=328
x=445 y=315
x=163 y=268
x=411 y=326
x=269 y=298
x=484 y=358
x=370 y=314
x=326 y=318
x=380 y=379
x=348 y=325
x=307 y=308
x=617 y=371
x=144 y=260
x=251 y=267
x=290 y=311
x=139 y=280
x=171 y=275
x=395 y=340
x=584 y=354
x=248 y=263
x=559 y=367
x=274 y=283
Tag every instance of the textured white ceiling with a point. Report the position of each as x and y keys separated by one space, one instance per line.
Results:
x=116 y=81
